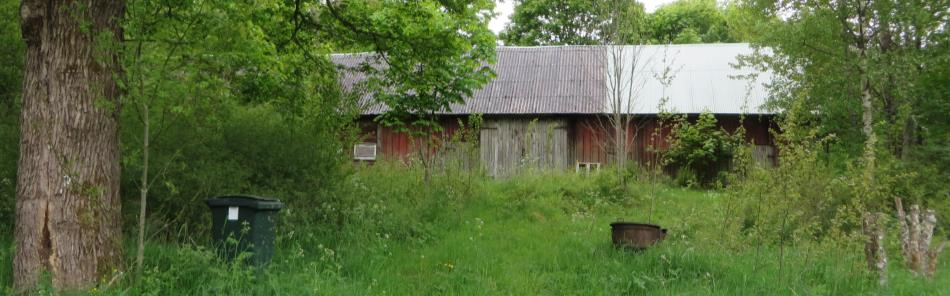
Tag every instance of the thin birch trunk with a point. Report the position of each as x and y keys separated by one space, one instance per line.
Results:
x=143 y=198
x=874 y=246
x=868 y=129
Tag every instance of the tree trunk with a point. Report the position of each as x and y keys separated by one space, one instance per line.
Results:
x=910 y=126
x=620 y=148
x=867 y=101
x=67 y=207
x=867 y=120
x=874 y=246
x=143 y=197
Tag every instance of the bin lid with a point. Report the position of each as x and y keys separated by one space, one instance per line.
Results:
x=240 y=200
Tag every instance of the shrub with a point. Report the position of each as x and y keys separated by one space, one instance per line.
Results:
x=240 y=149
x=9 y=153
x=799 y=199
x=699 y=150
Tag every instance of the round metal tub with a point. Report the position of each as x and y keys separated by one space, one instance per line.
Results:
x=637 y=236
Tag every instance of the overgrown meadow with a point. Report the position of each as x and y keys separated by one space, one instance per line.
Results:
x=384 y=231
x=242 y=97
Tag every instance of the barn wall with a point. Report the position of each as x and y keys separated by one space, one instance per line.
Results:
x=508 y=145
x=594 y=140
x=756 y=127
x=645 y=135
x=393 y=144
x=590 y=140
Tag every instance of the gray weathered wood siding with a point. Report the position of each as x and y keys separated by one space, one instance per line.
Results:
x=509 y=145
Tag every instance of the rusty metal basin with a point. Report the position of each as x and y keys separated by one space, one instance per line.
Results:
x=637 y=236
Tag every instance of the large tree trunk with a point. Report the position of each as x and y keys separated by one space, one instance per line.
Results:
x=67 y=208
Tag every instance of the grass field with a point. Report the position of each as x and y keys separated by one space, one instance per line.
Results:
x=539 y=235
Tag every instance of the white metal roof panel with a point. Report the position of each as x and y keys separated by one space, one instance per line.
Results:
x=704 y=78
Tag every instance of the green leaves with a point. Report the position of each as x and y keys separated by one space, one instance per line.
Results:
x=701 y=147
x=12 y=50
x=429 y=54
x=689 y=21
x=822 y=51
x=585 y=22
x=573 y=22
x=241 y=97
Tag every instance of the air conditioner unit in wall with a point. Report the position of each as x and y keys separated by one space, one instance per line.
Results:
x=364 y=151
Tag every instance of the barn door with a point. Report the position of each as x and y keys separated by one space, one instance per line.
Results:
x=560 y=154
x=489 y=150
x=551 y=150
x=549 y=146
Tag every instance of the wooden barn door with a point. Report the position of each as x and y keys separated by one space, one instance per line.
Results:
x=549 y=146
x=510 y=145
x=488 y=150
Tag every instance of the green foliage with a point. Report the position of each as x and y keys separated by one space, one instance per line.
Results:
x=428 y=54
x=700 y=148
x=236 y=104
x=576 y=22
x=572 y=22
x=252 y=150
x=818 y=59
x=531 y=234
x=745 y=23
x=690 y=21
x=807 y=198
x=12 y=50
x=800 y=200
x=243 y=99
x=368 y=204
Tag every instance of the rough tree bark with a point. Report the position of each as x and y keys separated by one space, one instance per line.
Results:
x=874 y=246
x=67 y=207
x=916 y=237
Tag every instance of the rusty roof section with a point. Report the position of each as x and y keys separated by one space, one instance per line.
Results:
x=529 y=80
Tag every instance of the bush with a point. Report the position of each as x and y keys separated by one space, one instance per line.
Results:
x=800 y=199
x=811 y=196
x=12 y=49
x=392 y=198
x=240 y=149
x=9 y=153
x=699 y=151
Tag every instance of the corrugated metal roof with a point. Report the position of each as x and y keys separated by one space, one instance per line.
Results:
x=703 y=79
x=576 y=80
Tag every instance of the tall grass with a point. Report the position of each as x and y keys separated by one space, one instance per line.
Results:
x=534 y=234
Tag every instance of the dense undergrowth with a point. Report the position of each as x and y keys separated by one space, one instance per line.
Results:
x=388 y=232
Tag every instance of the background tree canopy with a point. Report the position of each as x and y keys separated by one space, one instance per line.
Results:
x=689 y=21
x=572 y=22
x=565 y=22
x=822 y=52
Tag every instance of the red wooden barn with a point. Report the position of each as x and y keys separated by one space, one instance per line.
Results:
x=549 y=107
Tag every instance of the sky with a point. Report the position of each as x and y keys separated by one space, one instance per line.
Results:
x=504 y=8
